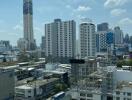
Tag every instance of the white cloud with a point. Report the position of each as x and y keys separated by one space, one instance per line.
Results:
x=125 y=22
x=18 y=27
x=118 y=12
x=83 y=8
x=115 y=3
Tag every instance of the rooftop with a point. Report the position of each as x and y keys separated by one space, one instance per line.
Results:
x=122 y=84
x=34 y=83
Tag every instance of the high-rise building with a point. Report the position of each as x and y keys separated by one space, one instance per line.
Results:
x=126 y=38
x=87 y=39
x=118 y=35
x=102 y=44
x=28 y=24
x=43 y=43
x=60 y=38
x=103 y=27
x=22 y=44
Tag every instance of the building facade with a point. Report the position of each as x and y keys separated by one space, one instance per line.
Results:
x=118 y=36
x=28 y=24
x=103 y=27
x=7 y=84
x=87 y=39
x=5 y=46
x=102 y=44
x=22 y=44
x=60 y=38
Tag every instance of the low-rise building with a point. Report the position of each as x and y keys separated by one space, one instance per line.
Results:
x=34 y=90
x=7 y=84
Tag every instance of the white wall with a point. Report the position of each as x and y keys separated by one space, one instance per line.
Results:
x=123 y=75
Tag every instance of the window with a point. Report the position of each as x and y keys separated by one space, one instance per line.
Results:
x=117 y=92
x=117 y=98
x=82 y=94
x=89 y=95
x=29 y=91
x=128 y=94
x=82 y=99
x=29 y=96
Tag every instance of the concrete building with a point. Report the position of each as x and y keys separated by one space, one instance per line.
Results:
x=126 y=39
x=81 y=69
x=103 y=27
x=87 y=39
x=36 y=90
x=5 y=46
x=22 y=44
x=43 y=44
x=102 y=42
x=60 y=38
x=123 y=91
x=28 y=24
x=7 y=84
x=104 y=83
x=118 y=35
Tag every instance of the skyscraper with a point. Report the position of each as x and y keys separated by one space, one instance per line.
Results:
x=87 y=39
x=118 y=35
x=28 y=24
x=43 y=43
x=103 y=27
x=102 y=41
x=60 y=38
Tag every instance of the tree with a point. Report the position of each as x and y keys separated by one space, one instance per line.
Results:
x=120 y=63
x=60 y=87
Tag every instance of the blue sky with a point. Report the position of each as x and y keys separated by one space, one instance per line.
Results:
x=115 y=12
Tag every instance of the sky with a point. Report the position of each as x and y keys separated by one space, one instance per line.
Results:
x=115 y=12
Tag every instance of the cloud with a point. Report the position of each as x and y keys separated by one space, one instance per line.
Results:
x=115 y=3
x=118 y=12
x=83 y=8
x=18 y=27
x=125 y=22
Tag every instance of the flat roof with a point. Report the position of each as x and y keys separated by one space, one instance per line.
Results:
x=54 y=72
x=9 y=67
x=24 y=87
x=39 y=82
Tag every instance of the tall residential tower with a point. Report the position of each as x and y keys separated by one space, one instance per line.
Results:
x=28 y=24
x=60 y=38
x=87 y=39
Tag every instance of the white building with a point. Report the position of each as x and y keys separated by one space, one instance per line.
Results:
x=35 y=90
x=123 y=86
x=87 y=39
x=123 y=91
x=60 y=38
x=25 y=91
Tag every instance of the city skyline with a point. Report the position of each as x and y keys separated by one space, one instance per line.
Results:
x=115 y=12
